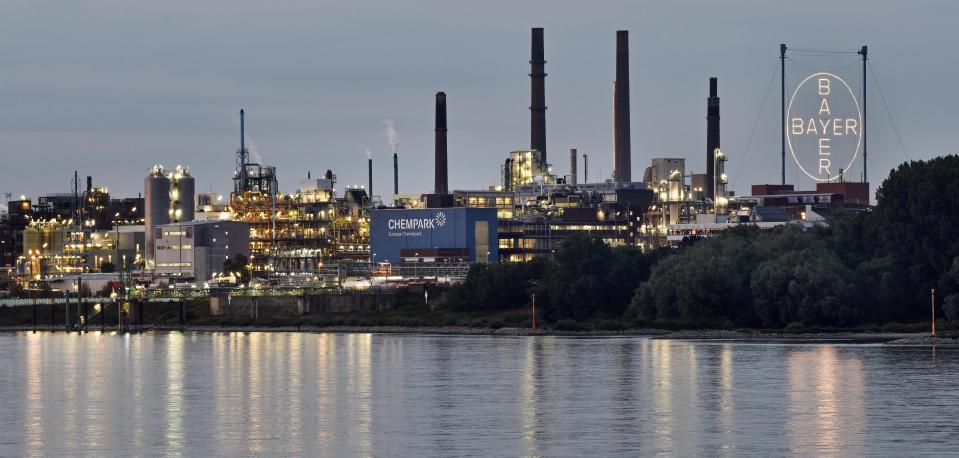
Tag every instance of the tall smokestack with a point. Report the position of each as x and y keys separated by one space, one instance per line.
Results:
x=396 y=174
x=537 y=108
x=440 y=186
x=242 y=154
x=712 y=135
x=369 y=189
x=572 y=166
x=622 y=167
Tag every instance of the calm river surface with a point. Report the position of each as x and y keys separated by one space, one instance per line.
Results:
x=231 y=394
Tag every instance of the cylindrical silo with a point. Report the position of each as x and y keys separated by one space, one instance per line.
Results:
x=183 y=195
x=157 y=206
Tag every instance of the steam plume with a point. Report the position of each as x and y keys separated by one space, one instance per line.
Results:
x=389 y=131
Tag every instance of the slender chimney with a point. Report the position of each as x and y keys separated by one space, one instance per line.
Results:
x=89 y=183
x=613 y=107
x=75 y=211
x=622 y=167
x=572 y=166
x=369 y=189
x=537 y=108
x=712 y=135
x=440 y=186
x=585 y=168
x=242 y=154
x=396 y=174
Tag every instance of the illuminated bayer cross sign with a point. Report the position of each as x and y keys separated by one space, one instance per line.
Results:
x=824 y=126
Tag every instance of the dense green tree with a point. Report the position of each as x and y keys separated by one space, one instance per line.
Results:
x=951 y=307
x=811 y=286
x=705 y=281
x=489 y=287
x=582 y=280
x=574 y=284
x=916 y=216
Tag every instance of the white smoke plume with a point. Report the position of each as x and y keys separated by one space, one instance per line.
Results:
x=254 y=151
x=392 y=138
x=369 y=154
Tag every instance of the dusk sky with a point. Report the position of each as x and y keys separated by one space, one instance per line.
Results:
x=110 y=88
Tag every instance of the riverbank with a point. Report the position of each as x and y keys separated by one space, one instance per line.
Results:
x=433 y=330
x=838 y=336
x=925 y=340
x=417 y=318
x=757 y=336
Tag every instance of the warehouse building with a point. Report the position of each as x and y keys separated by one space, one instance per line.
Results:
x=196 y=249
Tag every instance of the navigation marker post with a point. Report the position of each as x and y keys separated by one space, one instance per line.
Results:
x=934 y=312
x=534 y=311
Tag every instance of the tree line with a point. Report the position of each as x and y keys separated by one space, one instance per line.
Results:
x=865 y=267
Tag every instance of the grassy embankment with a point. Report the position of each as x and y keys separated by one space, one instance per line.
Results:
x=411 y=312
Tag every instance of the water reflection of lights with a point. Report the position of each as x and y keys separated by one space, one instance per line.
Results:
x=726 y=405
x=359 y=357
x=529 y=410
x=258 y=356
x=33 y=421
x=825 y=398
x=174 y=408
x=326 y=386
x=663 y=395
x=294 y=360
x=69 y=411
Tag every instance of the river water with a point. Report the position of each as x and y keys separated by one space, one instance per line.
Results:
x=279 y=394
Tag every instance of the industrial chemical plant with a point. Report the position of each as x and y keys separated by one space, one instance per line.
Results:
x=319 y=236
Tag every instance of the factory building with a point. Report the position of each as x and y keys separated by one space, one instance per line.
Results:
x=195 y=250
x=88 y=211
x=8 y=241
x=169 y=198
x=431 y=235
x=301 y=231
x=55 y=247
x=92 y=208
x=71 y=232
x=351 y=226
x=16 y=218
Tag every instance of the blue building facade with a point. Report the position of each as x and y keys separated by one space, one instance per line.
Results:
x=394 y=231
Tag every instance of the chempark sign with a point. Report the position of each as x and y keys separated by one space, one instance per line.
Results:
x=824 y=126
x=436 y=221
